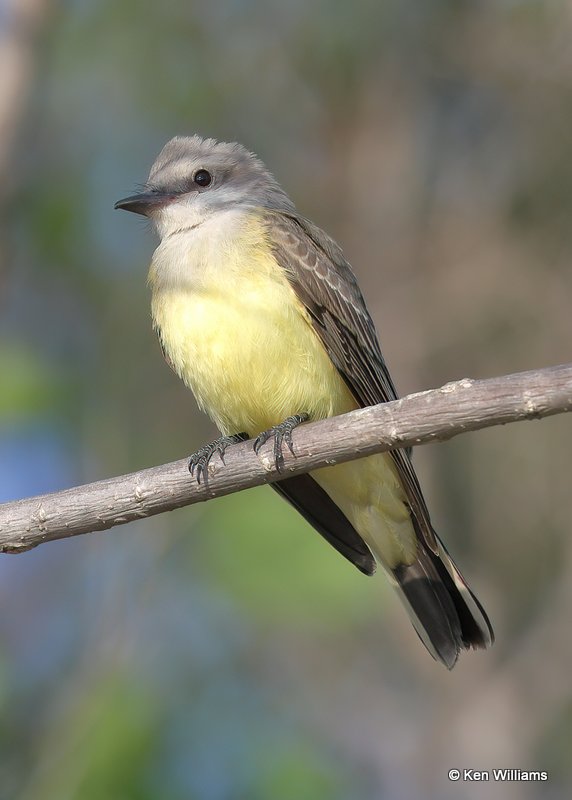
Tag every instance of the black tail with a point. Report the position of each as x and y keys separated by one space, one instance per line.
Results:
x=445 y=613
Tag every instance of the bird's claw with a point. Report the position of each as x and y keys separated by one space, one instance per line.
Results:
x=200 y=460
x=282 y=434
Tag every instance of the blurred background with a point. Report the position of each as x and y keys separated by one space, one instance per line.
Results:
x=224 y=651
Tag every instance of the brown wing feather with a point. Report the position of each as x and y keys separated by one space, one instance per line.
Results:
x=326 y=285
x=326 y=517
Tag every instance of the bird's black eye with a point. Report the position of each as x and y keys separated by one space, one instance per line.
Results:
x=203 y=178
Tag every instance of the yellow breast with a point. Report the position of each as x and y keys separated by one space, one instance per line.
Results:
x=239 y=337
x=235 y=332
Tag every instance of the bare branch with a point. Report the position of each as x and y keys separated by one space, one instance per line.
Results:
x=435 y=415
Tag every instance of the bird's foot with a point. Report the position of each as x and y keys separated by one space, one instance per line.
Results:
x=199 y=461
x=282 y=434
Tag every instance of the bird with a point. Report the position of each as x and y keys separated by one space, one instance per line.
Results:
x=260 y=314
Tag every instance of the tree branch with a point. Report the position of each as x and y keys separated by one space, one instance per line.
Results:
x=435 y=415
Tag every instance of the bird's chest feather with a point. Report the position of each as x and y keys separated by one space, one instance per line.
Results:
x=241 y=340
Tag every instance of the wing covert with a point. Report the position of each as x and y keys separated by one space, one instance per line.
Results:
x=324 y=282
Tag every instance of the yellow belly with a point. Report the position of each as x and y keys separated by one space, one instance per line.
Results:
x=370 y=494
x=250 y=356
x=246 y=348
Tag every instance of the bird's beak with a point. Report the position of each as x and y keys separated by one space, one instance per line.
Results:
x=145 y=203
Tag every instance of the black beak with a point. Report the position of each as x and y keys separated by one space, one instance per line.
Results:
x=145 y=202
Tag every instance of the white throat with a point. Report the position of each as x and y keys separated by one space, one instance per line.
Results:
x=196 y=249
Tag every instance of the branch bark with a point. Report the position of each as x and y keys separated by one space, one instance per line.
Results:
x=435 y=415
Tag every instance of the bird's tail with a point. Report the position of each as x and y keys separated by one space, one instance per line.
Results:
x=445 y=613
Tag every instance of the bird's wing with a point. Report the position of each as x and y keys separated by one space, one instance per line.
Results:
x=317 y=508
x=325 y=284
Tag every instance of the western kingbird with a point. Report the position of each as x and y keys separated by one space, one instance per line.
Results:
x=259 y=313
